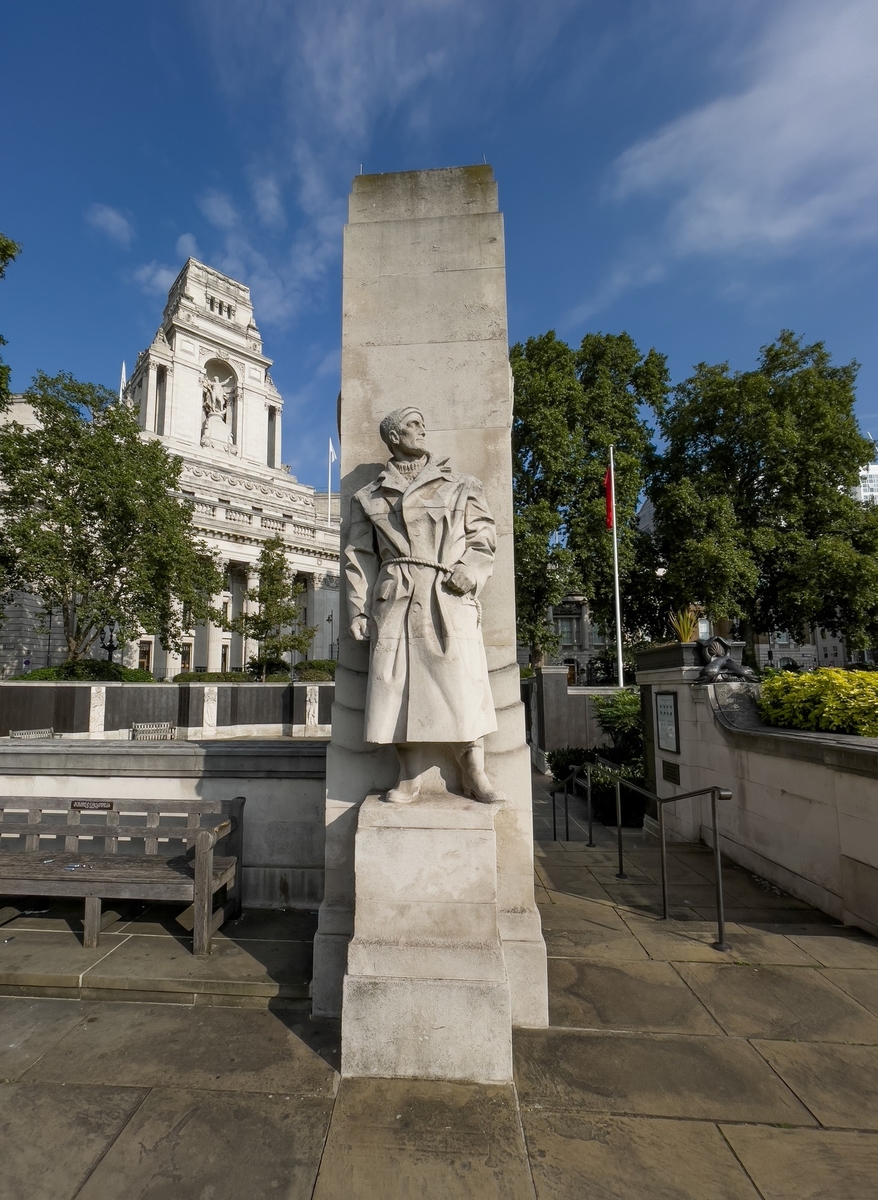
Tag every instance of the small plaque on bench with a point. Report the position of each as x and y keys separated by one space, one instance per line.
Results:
x=92 y=805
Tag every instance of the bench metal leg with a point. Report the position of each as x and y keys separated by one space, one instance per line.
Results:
x=92 y=922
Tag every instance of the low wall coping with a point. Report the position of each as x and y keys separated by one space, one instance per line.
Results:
x=245 y=758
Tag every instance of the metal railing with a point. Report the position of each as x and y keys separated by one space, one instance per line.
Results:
x=603 y=764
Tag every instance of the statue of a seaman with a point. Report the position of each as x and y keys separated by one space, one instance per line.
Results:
x=421 y=548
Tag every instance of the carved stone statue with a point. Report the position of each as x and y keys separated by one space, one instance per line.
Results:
x=421 y=548
x=718 y=664
x=216 y=394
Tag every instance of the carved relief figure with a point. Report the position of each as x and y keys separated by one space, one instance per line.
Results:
x=217 y=393
x=312 y=705
x=421 y=548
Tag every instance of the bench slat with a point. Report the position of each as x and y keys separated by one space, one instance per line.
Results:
x=151 y=833
x=98 y=868
x=120 y=804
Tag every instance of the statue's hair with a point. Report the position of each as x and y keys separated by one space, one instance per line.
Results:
x=393 y=421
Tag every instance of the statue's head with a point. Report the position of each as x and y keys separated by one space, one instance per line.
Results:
x=404 y=430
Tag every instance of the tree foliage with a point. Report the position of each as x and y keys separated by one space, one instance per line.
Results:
x=570 y=406
x=9 y=250
x=273 y=616
x=753 y=513
x=89 y=523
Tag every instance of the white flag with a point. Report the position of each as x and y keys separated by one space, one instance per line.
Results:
x=122 y=382
x=333 y=457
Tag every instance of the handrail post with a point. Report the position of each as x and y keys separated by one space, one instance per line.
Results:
x=567 y=809
x=720 y=943
x=664 y=857
x=554 y=796
x=620 y=874
x=590 y=841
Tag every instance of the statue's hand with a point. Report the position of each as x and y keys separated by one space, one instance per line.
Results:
x=461 y=582
x=360 y=629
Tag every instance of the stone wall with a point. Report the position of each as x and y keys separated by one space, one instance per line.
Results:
x=804 y=807
x=559 y=714
x=283 y=782
x=101 y=711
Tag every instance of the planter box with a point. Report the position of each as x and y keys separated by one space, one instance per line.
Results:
x=679 y=654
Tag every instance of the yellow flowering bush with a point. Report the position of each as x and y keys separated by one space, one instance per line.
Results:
x=826 y=700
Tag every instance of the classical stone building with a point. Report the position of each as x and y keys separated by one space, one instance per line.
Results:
x=203 y=389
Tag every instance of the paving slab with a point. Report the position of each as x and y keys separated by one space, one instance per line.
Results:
x=184 y=1143
x=395 y=1138
x=807 y=1164
x=574 y=881
x=839 y=1084
x=155 y=1045
x=594 y=943
x=631 y=893
x=765 y=915
x=839 y=950
x=699 y=1078
x=53 y=1138
x=779 y=1002
x=676 y=941
x=861 y=985
x=578 y=1156
x=50 y=958
x=165 y=964
x=575 y=913
x=649 y=997
x=30 y=1028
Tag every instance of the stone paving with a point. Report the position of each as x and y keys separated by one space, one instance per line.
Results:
x=670 y=1071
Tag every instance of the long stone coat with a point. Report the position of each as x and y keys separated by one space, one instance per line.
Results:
x=428 y=675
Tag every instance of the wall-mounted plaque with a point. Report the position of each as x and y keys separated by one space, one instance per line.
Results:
x=666 y=723
x=671 y=772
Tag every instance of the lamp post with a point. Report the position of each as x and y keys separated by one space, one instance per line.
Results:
x=330 y=620
x=109 y=644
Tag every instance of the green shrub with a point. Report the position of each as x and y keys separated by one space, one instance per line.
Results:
x=87 y=670
x=621 y=717
x=603 y=783
x=826 y=700
x=316 y=670
x=526 y=672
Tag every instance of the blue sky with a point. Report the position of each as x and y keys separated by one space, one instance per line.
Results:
x=698 y=174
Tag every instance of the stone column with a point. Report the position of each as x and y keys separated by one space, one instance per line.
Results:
x=424 y=323
x=250 y=647
x=149 y=415
x=215 y=634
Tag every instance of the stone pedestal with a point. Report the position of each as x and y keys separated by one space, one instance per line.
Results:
x=424 y=322
x=426 y=993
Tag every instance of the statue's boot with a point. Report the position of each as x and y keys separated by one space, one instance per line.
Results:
x=405 y=791
x=476 y=784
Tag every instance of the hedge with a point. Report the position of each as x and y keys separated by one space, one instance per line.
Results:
x=826 y=700
x=86 y=670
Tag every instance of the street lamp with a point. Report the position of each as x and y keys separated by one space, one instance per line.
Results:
x=107 y=643
x=330 y=620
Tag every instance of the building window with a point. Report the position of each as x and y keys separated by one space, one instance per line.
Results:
x=598 y=636
x=186 y=657
x=224 y=657
x=703 y=627
x=272 y=437
x=144 y=658
x=225 y=612
x=161 y=389
x=782 y=637
x=568 y=629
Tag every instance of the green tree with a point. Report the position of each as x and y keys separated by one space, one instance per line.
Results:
x=753 y=512
x=570 y=406
x=89 y=524
x=8 y=251
x=274 y=617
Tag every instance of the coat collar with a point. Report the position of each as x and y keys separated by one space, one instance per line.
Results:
x=392 y=480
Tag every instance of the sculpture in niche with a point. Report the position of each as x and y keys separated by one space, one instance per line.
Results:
x=420 y=550
x=312 y=705
x=218 y=392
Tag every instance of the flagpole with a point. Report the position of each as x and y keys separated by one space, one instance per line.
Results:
x=619 y=667
x=329 y=485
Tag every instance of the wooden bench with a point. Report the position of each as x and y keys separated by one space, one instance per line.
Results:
x=153 y=731
x=150 y=850
x=28 y=735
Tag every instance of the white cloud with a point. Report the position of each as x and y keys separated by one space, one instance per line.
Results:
x=155 y=278
x=219 y=210
x=266 y=196
x=790 y=158
x=187 y=247
x=111 y=222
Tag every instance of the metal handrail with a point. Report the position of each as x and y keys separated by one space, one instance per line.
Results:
x=604 y=764
x=715 y=793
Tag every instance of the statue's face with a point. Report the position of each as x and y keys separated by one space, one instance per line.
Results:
x=409 y=437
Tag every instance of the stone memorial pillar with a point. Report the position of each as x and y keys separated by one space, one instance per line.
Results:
x=436 y=890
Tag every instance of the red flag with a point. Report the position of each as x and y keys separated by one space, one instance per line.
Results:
x=608 y=488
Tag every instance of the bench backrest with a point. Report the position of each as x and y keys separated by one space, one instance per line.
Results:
x=153 y=731
x=30 y=734
x=104 y=822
